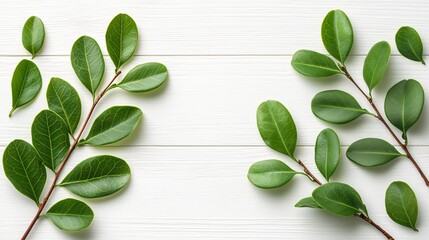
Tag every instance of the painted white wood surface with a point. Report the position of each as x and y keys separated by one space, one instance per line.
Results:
x=198 y=137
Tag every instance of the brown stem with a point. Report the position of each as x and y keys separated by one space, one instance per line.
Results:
x=309 y=173
x=71 y=149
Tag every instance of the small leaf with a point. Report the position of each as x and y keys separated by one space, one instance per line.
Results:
x=404 y=104
x=26 y=84
x=307 y=202
x=88 y=62
x=50 y=138
x=64 y=100
x=98 y=176
x=113 y=125
x=70 y=215
x=277 y=127
x=144 y=78
x=336 y=106
x=370 y=152
x=327 y=152
x=376 y=64
x=270 y=174
x=33 y=35
x=314 y=64
x=24 y=169
x=337 y=34
x=121 y=39
x=409 y=44
x=401 y=204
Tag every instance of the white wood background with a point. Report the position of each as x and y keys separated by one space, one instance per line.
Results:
x=191 y=153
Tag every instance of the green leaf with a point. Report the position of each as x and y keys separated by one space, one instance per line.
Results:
x=70 y=215
x=33 y=35
x=337 y=34
x=307 y=202
x=270 y=174
x=50 y=138
x=64 y=100
x=336 y=106
x=113 y=125
x=144 y=78
x=277 y=128
x=376 y=64
x=98 y=176
x=314 y=64
x=121 y=39
x=339 y=199
x=327 y=152
x=26 y=84
x=401 y=204
x=24 y=169
x=404 y=104
x=88 y=62
x=370 y=152
x=409 y=44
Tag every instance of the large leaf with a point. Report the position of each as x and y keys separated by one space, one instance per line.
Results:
x=26 y=84
x=337 y=34
x=339 y=199
x=50 y=138
x=327 y=152
x=33 y=35
x=70 y=215
x=336 y=106
x=401 y=204
x=409 y=44
x=88 y=62
x=277 y=127
x=121 y=39
x=370 y=152
x=113 y=125
x=314 y=64
x=24 y=169
x=144 y=78
x=98 y=176
x=64 y=100
x=307 y=202
x=404 y=104
x=270 y=174
x=376 y=64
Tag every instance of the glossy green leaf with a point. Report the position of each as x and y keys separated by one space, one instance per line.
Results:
x=121 y=39
x=144 y=78
x=327 y=152
x=33 y=35
x=70 y=215
x=26 y=84
x=64 y=100
x=404 y=104
x=277 y=128
x=376 y=63
x=314 y=64
x=409 y=44
x=401 y=204
x=24 y=169
x=307 y=202
x=336 y=106
x=370 y=152
x=98 y=176
x=113 y=125
x=270 y=174
x=337 y=34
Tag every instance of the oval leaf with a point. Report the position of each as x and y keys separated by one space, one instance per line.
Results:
x=314 y=64
x=270 y=174
x=277 y=128
x=327 y=152
x=33 y=35
x=144 y=78
x=121 y=39
x=98 y=176
x=370 y=152
x=409 y=44
x=70 y=215
x=307 y=202
x=26 y=84
x=401 y=204
x=376 y=64
x=88 y=62
x=24 y=169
